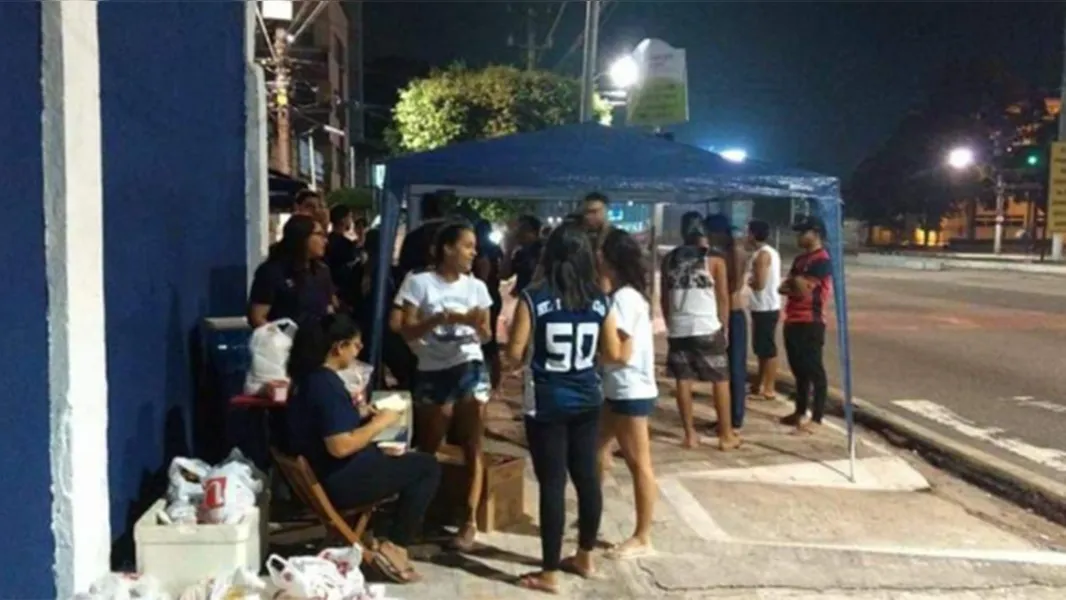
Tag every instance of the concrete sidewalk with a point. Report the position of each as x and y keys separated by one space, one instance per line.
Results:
x=940 y=262
x=778 y=518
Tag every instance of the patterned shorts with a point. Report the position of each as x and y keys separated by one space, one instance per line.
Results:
x=447 y=386
x=698 y=358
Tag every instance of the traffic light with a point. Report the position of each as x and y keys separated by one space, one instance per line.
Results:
x=1027 y=158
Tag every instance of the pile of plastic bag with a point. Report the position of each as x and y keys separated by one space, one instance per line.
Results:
x=238 y=585
x=331 y=575
x=200 y=493
x=124 y=586
x=270 y=346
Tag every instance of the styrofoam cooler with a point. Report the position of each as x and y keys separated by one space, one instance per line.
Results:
x=181 y=555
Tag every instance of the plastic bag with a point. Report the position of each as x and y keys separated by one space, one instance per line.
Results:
x=185 y=489
x=356 y=378
x=242 y=584
x=332 y=575
x=230 y=492
x=125 y=586
x=269 y=346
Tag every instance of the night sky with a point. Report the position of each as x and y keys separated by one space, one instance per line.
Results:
x=815 y=85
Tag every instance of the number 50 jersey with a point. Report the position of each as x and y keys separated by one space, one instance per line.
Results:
x=561 y=376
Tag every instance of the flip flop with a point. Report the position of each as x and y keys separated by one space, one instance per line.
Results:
x=392 y=568
x=531 y=581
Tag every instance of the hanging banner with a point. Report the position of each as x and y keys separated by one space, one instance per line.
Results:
x=660 y=96
x=1056 y=189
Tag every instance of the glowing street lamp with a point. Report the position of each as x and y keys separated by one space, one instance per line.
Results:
x=624 y=72
x=961 y=158
x=735 y=155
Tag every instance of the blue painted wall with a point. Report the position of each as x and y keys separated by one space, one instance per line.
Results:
x=26 y=504
x=172 y=102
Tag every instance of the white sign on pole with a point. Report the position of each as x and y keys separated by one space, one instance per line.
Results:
x=277 y=10
x=660 y=96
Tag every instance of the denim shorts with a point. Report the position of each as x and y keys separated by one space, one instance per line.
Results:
x=632 y=408
x=453 y=384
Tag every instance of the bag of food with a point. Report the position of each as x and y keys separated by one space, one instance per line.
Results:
x=124 y=586
x=242 y=584
x=307 y=578
x=230 y=492
x=185 y=489
x=269 y=346
x=356 y=378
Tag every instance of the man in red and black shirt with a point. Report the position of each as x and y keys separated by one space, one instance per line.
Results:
x=807 y=288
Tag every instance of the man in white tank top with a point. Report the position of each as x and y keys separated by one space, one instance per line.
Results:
x=765 y=305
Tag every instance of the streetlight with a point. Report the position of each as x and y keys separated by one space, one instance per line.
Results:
x=963 y=158
x=624 y=72
x=960 y=158
x=735 y=155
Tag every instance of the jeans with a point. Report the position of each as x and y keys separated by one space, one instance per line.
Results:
x=738 y=365
x=375 y=476
x=559 y=446
x=803 y=345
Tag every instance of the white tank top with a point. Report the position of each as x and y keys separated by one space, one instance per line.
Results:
x=690 y=289
x=766 y=299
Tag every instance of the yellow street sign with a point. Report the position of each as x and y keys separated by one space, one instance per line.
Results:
x=1056 y=189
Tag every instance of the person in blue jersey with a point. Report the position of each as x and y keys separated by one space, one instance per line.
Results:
x=445 y=317
x=630 y=389
x=563 y=329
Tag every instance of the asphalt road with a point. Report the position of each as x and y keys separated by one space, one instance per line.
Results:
x=977 y=355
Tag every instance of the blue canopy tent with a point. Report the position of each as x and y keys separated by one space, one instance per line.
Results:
x=563 y=163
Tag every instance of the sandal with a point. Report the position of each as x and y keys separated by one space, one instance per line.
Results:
x=534 y=582
x=388 y=560
x=569 y=565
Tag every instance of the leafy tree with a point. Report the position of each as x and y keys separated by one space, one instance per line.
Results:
x=359 y=199
x=458 y=104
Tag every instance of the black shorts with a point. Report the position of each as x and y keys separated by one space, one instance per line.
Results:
x=698 y=358
x=764 y=333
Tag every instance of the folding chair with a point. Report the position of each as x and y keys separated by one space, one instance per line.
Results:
x=349 y=525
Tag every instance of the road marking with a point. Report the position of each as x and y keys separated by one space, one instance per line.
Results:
x=1048 y=457
x=1044 y=404
x=690 y=510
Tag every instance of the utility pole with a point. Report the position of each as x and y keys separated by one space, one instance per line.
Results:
x=282 y=80
x=1056 y=239
x=531 y=39
x=588 y=65
x=997 y=241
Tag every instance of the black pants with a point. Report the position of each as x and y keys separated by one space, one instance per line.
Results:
x=803 y=345
x=557 y=447
x=374 y=476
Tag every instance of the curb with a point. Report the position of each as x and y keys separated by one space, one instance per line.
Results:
x=1028 y=489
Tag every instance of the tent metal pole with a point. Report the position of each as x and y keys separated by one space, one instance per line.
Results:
x=656 y=235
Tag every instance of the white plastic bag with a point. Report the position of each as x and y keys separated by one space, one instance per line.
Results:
x=125 y=586
x=185 y=490
x=270 y=345
x=230 y=491
x=242 y=584
x=332 y=575
x=357 y=377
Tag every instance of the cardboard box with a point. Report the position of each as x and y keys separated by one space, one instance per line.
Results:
x=502 y=498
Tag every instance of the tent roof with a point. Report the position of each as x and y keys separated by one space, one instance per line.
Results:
x=590 y=156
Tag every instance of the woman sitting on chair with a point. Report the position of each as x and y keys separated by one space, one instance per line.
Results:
x=336 y=438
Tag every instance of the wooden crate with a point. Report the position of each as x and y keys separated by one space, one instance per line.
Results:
x=502 y=498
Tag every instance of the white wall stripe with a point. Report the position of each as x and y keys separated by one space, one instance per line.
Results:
x=690 y=510
x=1048 y=457
x=73 y=211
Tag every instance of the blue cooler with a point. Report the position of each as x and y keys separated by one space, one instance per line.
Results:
x=226 y=360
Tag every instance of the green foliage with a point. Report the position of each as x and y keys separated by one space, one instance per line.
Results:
x=359 y=199
x=977 y=104
x=460 y=104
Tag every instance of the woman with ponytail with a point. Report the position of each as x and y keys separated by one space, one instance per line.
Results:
x=336 y=438
x=563 y=329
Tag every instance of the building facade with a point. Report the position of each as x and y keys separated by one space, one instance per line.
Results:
x=132 y=184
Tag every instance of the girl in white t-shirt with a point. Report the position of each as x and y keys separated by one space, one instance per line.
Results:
x=630 y=390
x=445 y=319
